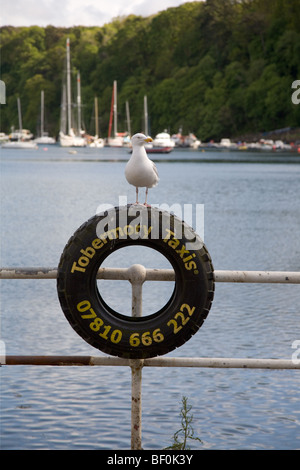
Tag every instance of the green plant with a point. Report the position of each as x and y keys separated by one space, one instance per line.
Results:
x=186 y=431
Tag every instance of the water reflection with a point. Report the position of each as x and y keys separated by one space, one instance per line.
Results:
x=252 y=216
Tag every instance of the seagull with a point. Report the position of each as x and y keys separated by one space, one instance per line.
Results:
x=140 y=171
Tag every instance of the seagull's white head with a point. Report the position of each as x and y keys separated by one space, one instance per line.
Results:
x=140 y=139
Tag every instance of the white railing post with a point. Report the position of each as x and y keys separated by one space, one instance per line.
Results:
x=136 y=276
x=136 y=366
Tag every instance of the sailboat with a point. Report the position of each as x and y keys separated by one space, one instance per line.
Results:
x=44 y=137
x=21 y=138
x=117 y=139
x=67 y=137
x=96 y=141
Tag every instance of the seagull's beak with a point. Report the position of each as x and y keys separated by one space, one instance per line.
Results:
x=148 y=139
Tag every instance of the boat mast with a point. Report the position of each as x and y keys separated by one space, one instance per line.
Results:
x=146 y=115
x=111 y=113
x=42 y=113
x=96 y=118
x=63 y=123
x=78 y=102
x=69 y=87
x=128 y=118
x=115 y=108
x=19 y=114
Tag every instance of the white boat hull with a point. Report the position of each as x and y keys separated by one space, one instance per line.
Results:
x=71 y=141
x=20 y=145
x=45 y=140
x=115 y=142
x=97 y=143
x=162 y=140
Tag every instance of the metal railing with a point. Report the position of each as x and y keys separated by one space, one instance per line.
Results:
x=137 y=275
x=271 y=277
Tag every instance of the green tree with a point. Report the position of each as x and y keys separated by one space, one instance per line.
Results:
x=217 y=67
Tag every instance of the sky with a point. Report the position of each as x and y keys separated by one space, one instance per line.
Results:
x=77 y=12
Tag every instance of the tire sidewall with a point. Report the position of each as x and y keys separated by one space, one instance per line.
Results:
x=122 y=335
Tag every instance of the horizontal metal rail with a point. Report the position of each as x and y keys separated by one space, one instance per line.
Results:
x=261 y=277
x=217 y=362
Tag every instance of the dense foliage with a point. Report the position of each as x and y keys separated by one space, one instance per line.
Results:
x=218 y=68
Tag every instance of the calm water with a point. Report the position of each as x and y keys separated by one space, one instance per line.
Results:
x=252 y=218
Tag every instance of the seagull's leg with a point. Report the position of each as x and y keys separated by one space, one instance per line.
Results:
x=145 y=203
x=137 y=195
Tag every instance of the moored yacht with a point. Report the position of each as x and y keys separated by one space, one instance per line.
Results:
x=163 y=139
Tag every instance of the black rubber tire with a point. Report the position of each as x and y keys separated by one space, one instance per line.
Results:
x=125 y=336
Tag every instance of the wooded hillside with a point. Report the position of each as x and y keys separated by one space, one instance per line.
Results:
x=218 y=68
